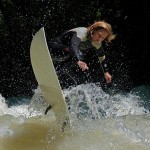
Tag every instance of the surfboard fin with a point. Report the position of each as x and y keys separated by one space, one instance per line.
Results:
x=47 y=109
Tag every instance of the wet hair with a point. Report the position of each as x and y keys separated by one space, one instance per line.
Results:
x=101 y=25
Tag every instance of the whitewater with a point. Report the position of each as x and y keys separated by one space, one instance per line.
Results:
x=100 y=120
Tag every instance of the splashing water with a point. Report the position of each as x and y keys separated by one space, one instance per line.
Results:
x=99 y=121
x=92 y=102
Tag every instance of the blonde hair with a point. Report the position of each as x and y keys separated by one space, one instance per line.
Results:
x=102 y=25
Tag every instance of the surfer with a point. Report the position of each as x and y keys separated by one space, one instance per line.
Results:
x=76 y=42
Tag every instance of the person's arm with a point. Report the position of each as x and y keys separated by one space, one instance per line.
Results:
x=107 y=76
x=103 y=63
x=75 y=41
x=74 y=45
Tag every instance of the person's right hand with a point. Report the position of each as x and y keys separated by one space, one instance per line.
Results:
x=82 y=65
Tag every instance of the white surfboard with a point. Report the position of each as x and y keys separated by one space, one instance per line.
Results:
x=46 y=76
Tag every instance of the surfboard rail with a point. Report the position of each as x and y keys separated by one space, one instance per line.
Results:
x=46 y=76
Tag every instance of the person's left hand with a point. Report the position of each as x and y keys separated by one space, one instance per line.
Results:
x=108 y=77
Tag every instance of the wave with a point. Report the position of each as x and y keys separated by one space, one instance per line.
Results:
x=99 y=120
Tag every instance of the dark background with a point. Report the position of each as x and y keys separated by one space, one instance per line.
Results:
x=128 y=55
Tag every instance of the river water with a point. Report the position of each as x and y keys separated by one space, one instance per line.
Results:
x=99 y=121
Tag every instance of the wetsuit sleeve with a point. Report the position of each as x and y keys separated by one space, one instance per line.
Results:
x=102 y=59
x=74 y=45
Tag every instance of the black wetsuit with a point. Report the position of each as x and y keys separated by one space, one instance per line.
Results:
x=72 y=46
x=74 y=43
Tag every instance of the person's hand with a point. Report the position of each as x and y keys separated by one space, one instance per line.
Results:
x=108 y=77
x=82 y=65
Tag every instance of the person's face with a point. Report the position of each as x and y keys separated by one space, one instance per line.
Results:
x=99 y=35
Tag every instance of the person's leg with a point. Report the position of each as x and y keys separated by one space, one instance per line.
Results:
x=58 y=52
